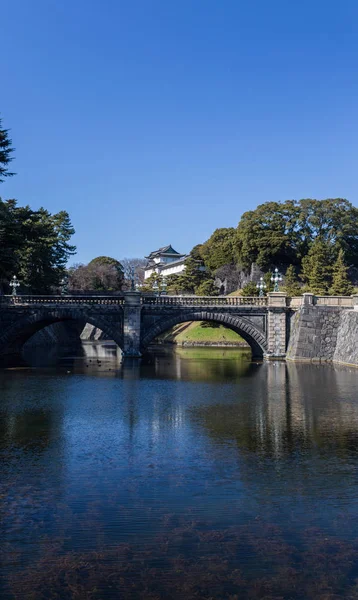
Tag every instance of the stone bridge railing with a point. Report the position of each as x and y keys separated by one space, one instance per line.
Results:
x=164 y=300
x=205 y=300
x=61 y=300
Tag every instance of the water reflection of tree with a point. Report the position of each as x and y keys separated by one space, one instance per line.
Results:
x=199 y=364
x=291 y=408
x=29 y=420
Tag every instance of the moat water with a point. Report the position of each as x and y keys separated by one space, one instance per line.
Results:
x=195 y=474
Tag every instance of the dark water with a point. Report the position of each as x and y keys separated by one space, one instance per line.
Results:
x=197 y=475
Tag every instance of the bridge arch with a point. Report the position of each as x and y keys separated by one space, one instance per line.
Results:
x=241 y=325
x=19 y=331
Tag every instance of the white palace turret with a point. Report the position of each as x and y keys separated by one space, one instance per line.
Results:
x=165 y=261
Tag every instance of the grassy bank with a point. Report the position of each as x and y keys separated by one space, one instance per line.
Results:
x=199 y=333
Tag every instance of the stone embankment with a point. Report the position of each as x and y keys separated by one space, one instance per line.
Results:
x=324 y=334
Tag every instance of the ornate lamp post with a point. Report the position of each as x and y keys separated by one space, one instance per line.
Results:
x=261 y=286
x=276 y=279
x=156 y=288
x=63 y=286
x=14 y=283
x=164 y=286
x=132 y=278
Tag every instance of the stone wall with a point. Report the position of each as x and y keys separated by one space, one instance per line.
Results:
x=90 y=333
x=314 y=333
x=346 y=350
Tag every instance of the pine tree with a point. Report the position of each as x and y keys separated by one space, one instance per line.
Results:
x=249 y=289
x=5 y=153
x=316 y=268
x=153 y=283
x=292 y=286
x=341 y=286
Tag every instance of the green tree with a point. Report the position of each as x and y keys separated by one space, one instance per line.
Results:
x=281 y=233
x=218 y=250
x=153 y=283
x=267 y=236
x=174 y=286
x=268 y=281
x=292 y=286
x=102 y=274
x=249 y=289
x=10 y=242
x=106 y=260
x=207 y=288
x=45 y=248
x=5 y=153
x=316 y=267
x=341 y=286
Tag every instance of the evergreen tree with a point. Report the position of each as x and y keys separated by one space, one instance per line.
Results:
x=269 y=284
x=316 y=268
x=5 y=153
x=189 y=281
x=153 y=283
x=218 y=250
x=250 y=289
x=34 y=245
x=292 y=286
x=207 y=288
x=341 y=286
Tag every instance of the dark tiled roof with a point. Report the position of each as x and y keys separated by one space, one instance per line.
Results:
x=164 y=250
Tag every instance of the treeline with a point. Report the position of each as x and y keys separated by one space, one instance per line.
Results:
x=313 y=243
x=34 y=246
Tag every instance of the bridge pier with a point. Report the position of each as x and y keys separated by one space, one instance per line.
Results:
x=276 y=326
x=132 y=324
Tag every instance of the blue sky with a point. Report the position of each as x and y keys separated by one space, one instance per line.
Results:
x=157 y=121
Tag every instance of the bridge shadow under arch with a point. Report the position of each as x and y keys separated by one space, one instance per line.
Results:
x=15 y=336
x=253 y=336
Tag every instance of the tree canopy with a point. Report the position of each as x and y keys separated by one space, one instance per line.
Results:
x=281 y=233
x=34 y=245
x=218 y=250
x=102 y=274
x=5 y=153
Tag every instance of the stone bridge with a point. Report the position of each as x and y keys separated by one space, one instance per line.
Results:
x=134 y=320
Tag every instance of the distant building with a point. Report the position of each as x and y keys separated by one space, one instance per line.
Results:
x=165 y=261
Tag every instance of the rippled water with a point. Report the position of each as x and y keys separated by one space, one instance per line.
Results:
x=196 y=475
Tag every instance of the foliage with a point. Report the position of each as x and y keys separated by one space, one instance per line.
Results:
x=189 y=281
x=218 y=250
x=341 y=286
x=281 y=233
x=153 y=283
x=249 y=289
x=268 y=281
x=292 y=286
x=5 y=153
x=173 y=284
x=207 y=288
x=102 y=274
x=316 y=267
x=106 y=260
x=34 y=245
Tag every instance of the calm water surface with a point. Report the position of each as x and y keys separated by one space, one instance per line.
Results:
x=196 y=475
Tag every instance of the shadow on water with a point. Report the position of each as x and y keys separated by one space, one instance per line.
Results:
x=193 y=474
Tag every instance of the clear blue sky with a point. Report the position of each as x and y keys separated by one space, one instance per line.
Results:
x=157 y=121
